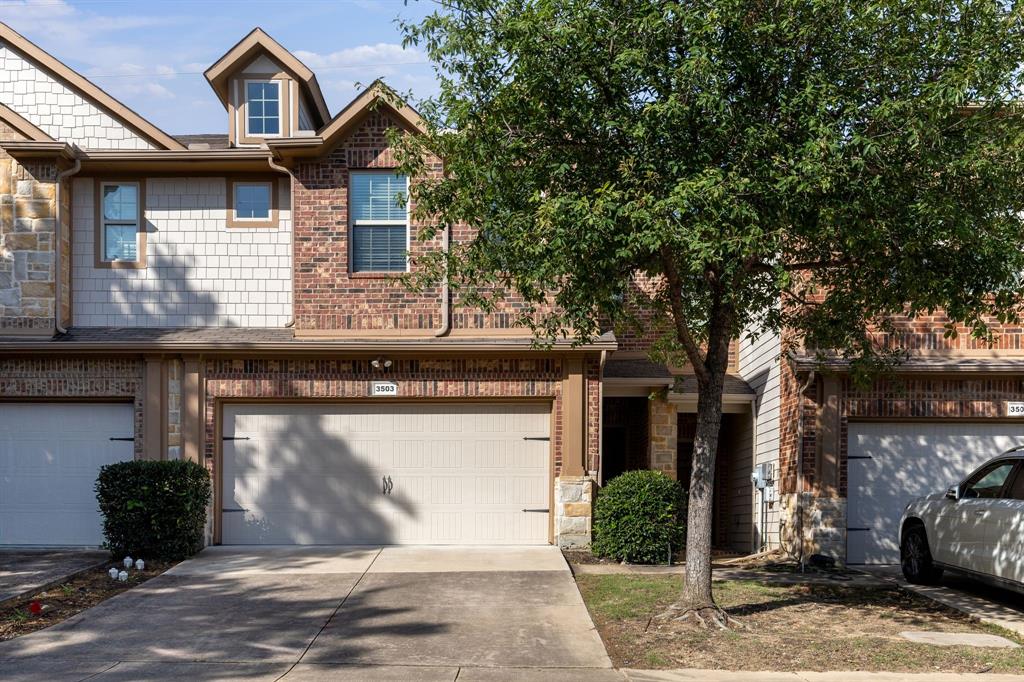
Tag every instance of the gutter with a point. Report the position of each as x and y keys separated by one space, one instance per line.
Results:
x=63 y=175
x=446 y=296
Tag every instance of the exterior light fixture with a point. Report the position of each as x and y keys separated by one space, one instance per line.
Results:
x=381 y=363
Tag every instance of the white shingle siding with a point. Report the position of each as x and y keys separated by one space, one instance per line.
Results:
x=60 y=111
x=200 y=273
x=759 y=366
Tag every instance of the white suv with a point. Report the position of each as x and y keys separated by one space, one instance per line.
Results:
x=975 y=528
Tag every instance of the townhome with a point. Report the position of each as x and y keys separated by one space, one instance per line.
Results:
x=236 y=299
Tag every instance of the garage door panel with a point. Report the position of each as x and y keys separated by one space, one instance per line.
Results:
x=50 y=455
x=892 y=463
x=445 y=463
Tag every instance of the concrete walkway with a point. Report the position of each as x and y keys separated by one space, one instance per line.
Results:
x=318 y=613
x=26 y=571
x=842 y=676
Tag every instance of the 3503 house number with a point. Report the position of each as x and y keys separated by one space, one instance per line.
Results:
x=384 y=389
x=1014 y=409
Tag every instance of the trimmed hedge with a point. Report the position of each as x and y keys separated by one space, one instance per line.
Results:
x=154 y=510
x=637 y=516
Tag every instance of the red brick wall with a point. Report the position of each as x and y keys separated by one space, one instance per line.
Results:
x=792 y=408
x=327 y=295
x=63 y=378
x=419 y=378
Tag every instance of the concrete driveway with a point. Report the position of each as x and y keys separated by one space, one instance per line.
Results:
x=23 y=571
x=402 y=613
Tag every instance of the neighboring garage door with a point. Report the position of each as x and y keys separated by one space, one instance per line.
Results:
x=892 y=463
x=50 y=454
x=406 y=473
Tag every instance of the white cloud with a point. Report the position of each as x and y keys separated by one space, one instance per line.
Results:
x=380 y=54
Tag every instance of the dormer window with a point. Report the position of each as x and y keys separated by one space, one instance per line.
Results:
x=263 y=108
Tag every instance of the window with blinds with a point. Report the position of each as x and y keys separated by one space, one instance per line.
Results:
x=379 y=222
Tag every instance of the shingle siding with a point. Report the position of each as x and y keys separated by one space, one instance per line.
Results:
x=58 y=110
x=200 y=272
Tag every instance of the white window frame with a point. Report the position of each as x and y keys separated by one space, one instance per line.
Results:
x=270 y=200
x=383 y=223
x=280 y=106
x=104 y=222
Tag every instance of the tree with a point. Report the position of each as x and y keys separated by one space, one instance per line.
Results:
x=812 y=166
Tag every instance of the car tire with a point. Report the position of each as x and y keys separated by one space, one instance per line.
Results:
x=916 y=558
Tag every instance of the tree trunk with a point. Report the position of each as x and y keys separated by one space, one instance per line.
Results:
x=697 y=586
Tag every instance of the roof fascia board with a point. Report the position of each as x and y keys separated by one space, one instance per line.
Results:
x=84 y=86
x=372 y=96
x=23 y=125
x=245 y=50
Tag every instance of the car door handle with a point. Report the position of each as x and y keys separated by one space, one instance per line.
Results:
x=981 y=512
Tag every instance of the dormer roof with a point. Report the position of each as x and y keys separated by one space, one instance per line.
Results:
x=251 y=47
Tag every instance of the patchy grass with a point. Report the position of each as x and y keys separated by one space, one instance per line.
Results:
x=76 y=595
x=791 y=627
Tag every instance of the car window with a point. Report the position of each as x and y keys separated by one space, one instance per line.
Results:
x=1016 y=491
x=988 y=482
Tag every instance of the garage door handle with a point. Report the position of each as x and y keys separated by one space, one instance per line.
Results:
x=234 y=510
x=536 y=511
x=126 y=439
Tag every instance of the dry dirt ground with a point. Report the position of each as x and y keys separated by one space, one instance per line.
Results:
x=63 y=601
x=788 y=628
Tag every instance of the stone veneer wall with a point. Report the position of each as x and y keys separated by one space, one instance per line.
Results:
x=64 y=378
x=662 y=425
x=574 y=504
x=27 y=226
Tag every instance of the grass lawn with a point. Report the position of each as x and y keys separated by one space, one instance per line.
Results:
x=77 y=594
x=790 y=628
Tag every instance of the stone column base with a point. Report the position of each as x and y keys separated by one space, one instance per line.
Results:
x=574 y=504
x=824 y=525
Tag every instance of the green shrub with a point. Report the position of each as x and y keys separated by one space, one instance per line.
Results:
x=153 y=510
x=637 y=516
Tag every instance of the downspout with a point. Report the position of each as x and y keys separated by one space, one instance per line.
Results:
x=291 y=232
x=58 y=215
x=800 y=468
x=600 y=420
x=446 y=322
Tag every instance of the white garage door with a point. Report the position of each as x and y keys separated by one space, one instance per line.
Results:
x=50 y=454
x=892 y=463
x=385 y=474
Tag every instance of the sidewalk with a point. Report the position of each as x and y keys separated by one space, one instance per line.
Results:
x=839 y=676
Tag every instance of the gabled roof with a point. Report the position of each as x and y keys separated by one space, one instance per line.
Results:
x=258 y=42
x=86 y=88
x=377 y=94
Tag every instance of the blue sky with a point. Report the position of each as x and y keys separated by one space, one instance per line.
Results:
x=151 y=55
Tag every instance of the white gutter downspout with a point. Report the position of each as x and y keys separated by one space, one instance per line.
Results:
x=446 y=322
x=291 y=232
x=58 y=214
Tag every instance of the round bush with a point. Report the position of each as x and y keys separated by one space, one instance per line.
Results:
x=637 y=516
x=153 y=509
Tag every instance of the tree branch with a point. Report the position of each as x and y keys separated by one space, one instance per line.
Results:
x=675 y=289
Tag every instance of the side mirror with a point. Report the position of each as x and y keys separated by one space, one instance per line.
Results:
x=953 y=493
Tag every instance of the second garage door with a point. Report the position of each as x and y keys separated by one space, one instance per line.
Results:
x=891 y=463
x=410 y=473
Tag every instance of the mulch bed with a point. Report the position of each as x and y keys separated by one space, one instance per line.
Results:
x=62 y=601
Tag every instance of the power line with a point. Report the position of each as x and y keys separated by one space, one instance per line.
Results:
x=192 y=73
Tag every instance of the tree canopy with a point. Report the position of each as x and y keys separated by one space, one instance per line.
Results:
x=809 y=165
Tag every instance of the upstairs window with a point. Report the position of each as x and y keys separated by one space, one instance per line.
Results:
x=263 y=107
x=379 y=222
x=252 y=203
x=119 y=236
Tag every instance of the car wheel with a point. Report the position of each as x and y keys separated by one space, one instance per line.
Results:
x=916 y=558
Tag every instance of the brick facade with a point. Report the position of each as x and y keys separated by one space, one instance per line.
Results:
x=432 y=378
x=75 y=378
